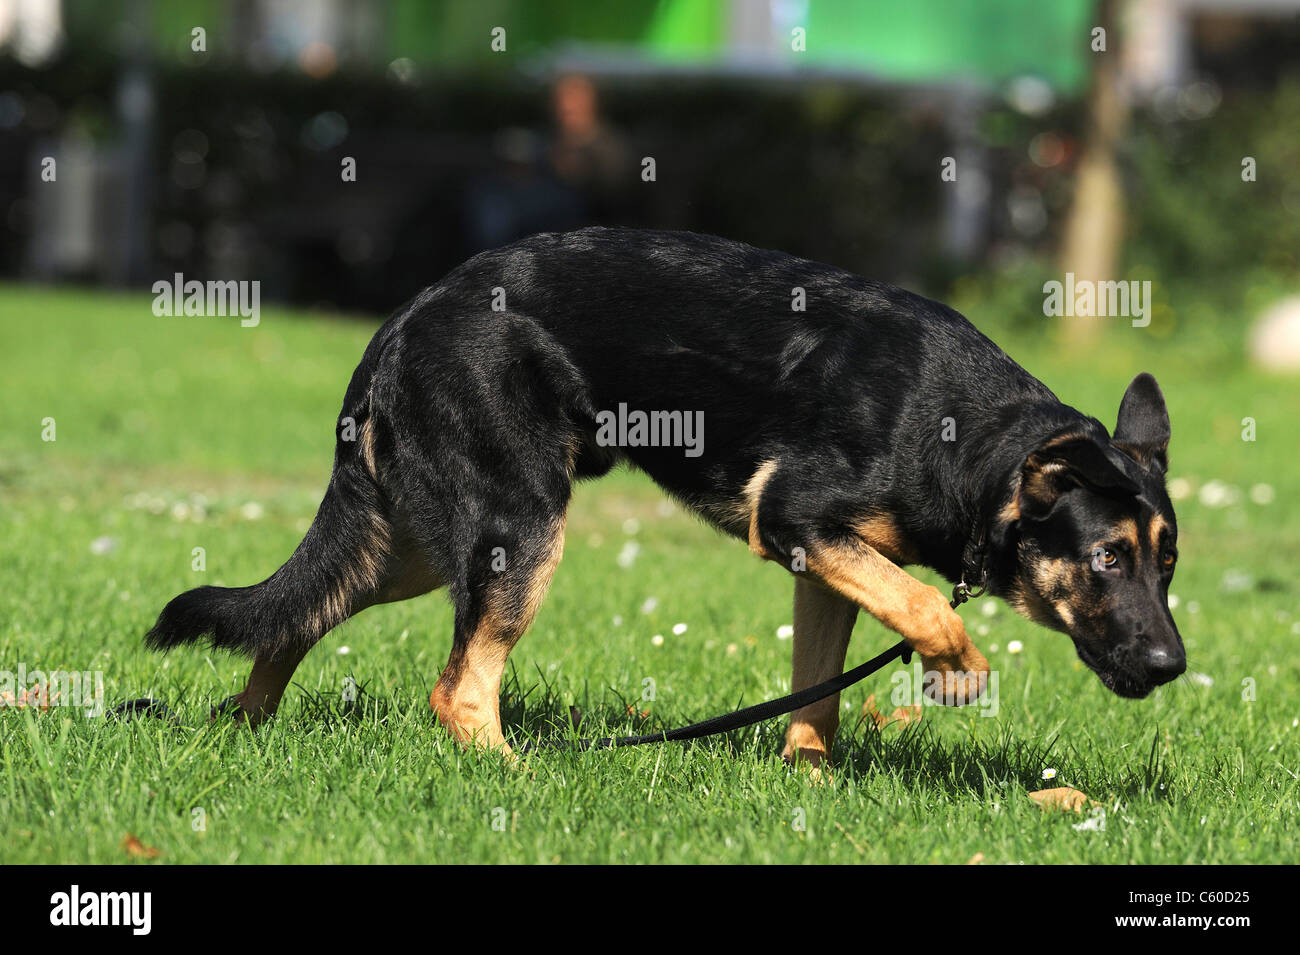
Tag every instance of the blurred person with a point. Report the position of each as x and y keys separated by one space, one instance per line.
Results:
x=579 y=175
x=586 y=154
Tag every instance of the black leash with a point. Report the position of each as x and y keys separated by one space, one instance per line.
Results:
x=740 y=718
x=144 y=706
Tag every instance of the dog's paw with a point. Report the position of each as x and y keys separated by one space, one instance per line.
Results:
x=956 y=680
x=229 y=708
x=801 y=758
x=233 y=708
x=807 y=747
x=815 y=763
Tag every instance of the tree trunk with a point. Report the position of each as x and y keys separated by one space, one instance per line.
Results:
x=1094 y=229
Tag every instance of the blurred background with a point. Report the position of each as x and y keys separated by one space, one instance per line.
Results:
x=209 y=137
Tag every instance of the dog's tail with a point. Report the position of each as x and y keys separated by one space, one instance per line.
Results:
x=334 y=570
x=338 y=561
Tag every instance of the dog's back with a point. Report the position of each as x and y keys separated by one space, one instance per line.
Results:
x=772 y=351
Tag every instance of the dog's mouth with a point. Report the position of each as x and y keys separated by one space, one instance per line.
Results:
x=1114 y=678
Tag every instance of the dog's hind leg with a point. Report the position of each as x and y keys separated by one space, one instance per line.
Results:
x=499 y=600
x=482 y=409
x=261 y=695
x=823 y=623
x=496 y=602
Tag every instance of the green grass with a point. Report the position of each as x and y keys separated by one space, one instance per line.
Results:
x=160 y=420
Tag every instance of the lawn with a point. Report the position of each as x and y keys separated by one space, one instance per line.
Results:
x=179 y=433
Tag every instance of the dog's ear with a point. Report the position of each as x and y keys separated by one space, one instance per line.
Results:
x=1142 y=431
x=1065 y=462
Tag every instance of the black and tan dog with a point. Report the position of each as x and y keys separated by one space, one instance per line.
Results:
x=850 y=428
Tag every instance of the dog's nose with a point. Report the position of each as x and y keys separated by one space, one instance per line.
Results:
x=1164 y=665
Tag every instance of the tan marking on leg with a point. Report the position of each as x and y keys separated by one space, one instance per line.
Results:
x=823 y=623
x=540 y=581
x=469 y=703
x=467 y=697
x=916 y=611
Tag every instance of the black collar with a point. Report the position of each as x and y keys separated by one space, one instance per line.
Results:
x=974 y=568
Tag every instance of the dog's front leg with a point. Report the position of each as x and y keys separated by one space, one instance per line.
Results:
x=823 y=623
x=849 y=565
x=919 y=613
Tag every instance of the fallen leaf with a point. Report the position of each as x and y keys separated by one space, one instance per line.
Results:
x=134 y=847
x=1062 y=797
x=40 y=697
x=901 y=715
x=906 y=714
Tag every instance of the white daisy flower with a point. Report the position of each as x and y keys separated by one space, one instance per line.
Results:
x=627 y=556
x=1262 y=494
x=1217 y=494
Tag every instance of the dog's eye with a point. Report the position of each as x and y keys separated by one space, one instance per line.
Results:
x=1103 y=558
x=1168 y=559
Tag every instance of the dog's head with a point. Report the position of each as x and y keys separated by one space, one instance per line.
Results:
x=1095 y=544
